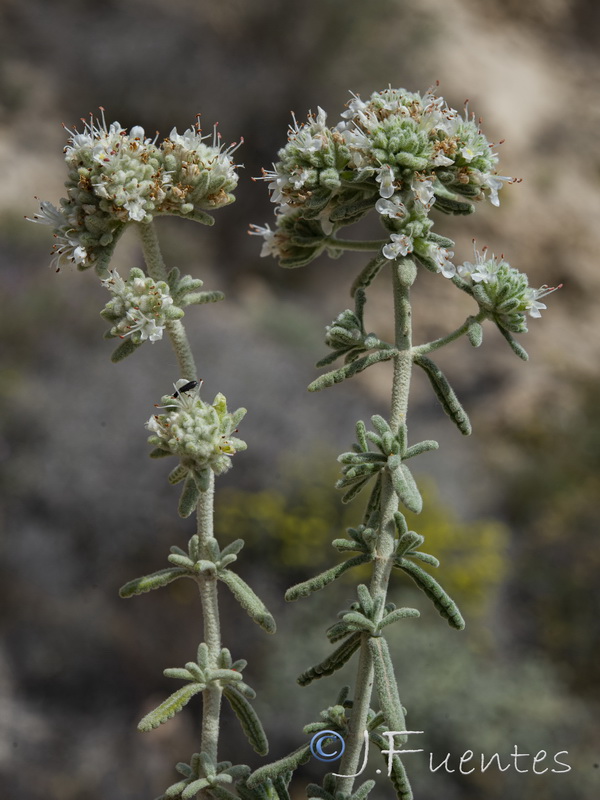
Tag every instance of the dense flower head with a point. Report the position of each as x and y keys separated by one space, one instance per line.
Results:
x=117 y=176
x=140 y=306
x=399 y=152
x=199 y=433
x=502 y=291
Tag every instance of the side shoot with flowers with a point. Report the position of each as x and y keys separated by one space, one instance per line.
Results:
x=119 y=178
x=403 y=156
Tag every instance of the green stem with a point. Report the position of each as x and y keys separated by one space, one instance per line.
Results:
x=353 y=244
x=422 y=349
x=211 y=696
x=158 y=271
x=404 y=273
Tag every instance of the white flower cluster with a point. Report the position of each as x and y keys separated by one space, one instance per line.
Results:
x=401 y=153
x=199 y=433
x=118 y=176
x=502 y=291
x=140 y=306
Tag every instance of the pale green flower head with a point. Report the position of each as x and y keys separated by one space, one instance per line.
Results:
x=140 y=307
x=502 y=291
x=201 y=434
x=400 y=153
x=117 y=177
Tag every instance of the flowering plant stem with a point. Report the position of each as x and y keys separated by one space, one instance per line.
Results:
x=158 y=270
x=403 y=276
x=207 y=585
x=406 y=157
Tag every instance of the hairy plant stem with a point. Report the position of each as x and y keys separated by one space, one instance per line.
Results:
x=422 y=349
x=158 y=271
x=211 y=696
x=354 y=244
x=403 y=276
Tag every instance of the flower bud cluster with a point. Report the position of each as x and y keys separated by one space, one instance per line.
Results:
x=399 y=152
x=117 y=176
x=502 y=291
x=199 y=433
x=140 y=306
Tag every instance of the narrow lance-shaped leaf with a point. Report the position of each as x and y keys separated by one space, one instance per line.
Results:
x=149 y=582
x=283 y=765
x=306 y=588
x=517 y=348
x=398 y=775
x=368 y=274
x=192 y=789
x=335 y=661
x=406 y=488
x=339 y=375
x=202 y=297
x=248 y=719
x=475 y=332
x=385 y=684
x=445 y=394
x=189 y=497
x=248 y=600
x=356 y=489
x=170 y=707
x=439 y=597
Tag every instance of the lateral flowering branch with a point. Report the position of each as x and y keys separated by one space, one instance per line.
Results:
x=401 y=156
x=118 y=178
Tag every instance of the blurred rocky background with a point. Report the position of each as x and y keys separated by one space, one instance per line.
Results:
x=511 y=512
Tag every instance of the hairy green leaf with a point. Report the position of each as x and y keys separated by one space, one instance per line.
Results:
x=517 y=348
x=189 y=497
x=154 y=581
x=170 y=707
x=126 y=348
x=248 y=600
x=385 y=684
x=439 y=597
x=281 y=767
x=445 y=394
x=306 y=588
x=248 y=720
x=333 y=662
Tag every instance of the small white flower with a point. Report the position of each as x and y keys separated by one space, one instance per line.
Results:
x=269 y=247
x=493 y=183
x=385 y=178
x=354 y=106
x=299 y=178
x=80 y=255
x=440 y=160
x=442 y=256
x=484 y=268
x=401 y=245
x=468 y=154
x=393 y=208
x=532 y=299
x=423 y=190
